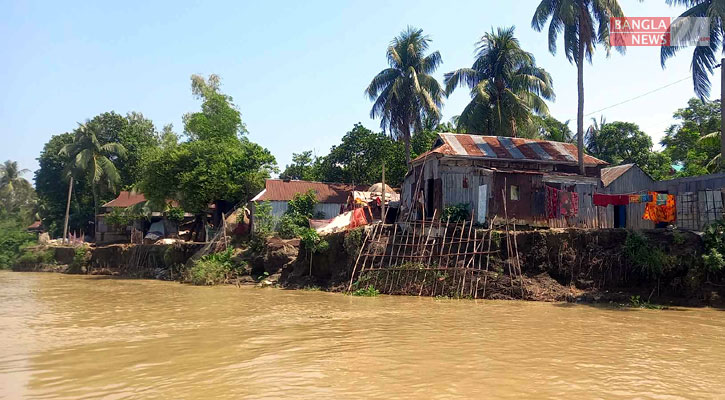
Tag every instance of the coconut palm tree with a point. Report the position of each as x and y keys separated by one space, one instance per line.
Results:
x=506 y=86
x=405 y=94
x=592 y=133
x=10 y=177
x=704 y=58
x=93 y=159
x=584 y=24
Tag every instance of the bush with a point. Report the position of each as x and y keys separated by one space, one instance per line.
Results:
x=456 y=213
x=368 y=291
x=714 y=239
x=297 y=217
x=174 y=214
x=650 y=260
x=12 y=241
x=213 y=269
x=36 y=256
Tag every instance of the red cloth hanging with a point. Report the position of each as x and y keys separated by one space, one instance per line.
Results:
x=552 y=202
x=603 y=200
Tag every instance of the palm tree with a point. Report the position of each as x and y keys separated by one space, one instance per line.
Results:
x=704 y=58
x=584 y=24
x=506 y=86
x=592 y=133
x=10 y=177
x=406 y=94
x=90 y=157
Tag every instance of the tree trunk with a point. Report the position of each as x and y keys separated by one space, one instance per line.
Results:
x=722 y=114
x=580 y=106
x=406 y=137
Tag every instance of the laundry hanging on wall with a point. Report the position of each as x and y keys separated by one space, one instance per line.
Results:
x=657 y=212
x=560 y=203
x=552 y=202
x=568 y=204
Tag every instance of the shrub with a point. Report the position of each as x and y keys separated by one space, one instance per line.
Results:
x=456 y=213
x=312 y=243
x=213 y=269
x=297 y=217
x=368 y=291
x=37 y=256
x=174 y=214
x=649 y=259
x=714 y=239
x=12 y=241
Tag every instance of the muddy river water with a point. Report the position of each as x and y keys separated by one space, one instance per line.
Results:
x=88 y=337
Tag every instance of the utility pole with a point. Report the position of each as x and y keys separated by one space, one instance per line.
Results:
x=67 y=211
x=382 y=203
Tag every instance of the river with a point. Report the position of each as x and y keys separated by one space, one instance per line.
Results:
x=64 y=336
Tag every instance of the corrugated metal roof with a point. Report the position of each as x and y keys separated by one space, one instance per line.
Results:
x=284 y=190
x=507 y=148
x=610 y=174
x=126 y=199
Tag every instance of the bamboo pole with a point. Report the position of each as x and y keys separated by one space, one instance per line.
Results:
x=518 y=262
x=427 y=238
x=362 y=248
x=488 y=256
x=509 y=249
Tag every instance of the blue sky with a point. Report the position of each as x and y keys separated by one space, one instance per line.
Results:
x=296 y=70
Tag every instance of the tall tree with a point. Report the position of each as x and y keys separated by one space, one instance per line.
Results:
x=93 y=160
x=17 y=197
x=406 y=94
x=694 y=141
x=217 y=164
x=507 y=88
x=584 y=24
x=590 y=140
x=302 y=167
x=11 y=177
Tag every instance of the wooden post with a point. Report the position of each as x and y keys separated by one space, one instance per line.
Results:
x=67 y=211
x=382 y=203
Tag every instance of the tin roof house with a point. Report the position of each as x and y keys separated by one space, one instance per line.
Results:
x=484 y=172
x=331 y=197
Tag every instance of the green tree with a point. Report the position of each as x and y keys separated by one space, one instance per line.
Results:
x=90 y=158
x=302 y=167
x=623 y=143
x=218 y=164
x=694 y=142
x=52 y=195
x=11 y=176
x=584 y=23
x=17 y=196
x=219 y=118
x=405 y=94
x=507 y=88
x=551 y=128
x=590 y=139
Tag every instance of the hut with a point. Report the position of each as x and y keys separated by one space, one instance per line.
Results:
x=332 y=198
x=156 y=224
x=626 y=179
x=480 y=172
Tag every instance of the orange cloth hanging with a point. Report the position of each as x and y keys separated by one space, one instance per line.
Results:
x=662 y=213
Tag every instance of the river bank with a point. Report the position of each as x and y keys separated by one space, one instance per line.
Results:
x=573 y=265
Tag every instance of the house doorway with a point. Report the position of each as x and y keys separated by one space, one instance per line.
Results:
x=620 y=216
